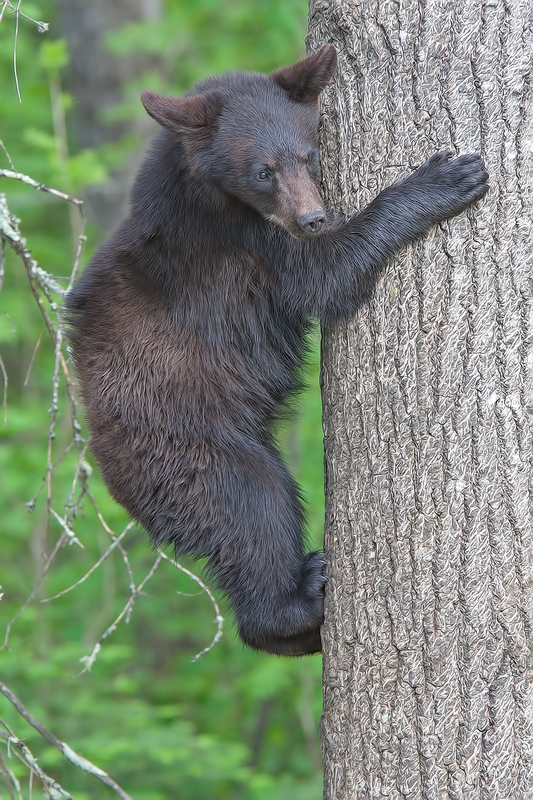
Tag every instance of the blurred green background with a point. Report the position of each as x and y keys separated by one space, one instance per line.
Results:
x=234 y=724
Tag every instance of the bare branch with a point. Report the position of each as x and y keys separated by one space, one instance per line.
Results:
x=42 y=27
x=23 y=752
x=6 y=381
x=9 y=779
x=32 y=359
x=2 y=145
x=74 y=758
x=15 y=73
x=73 y=539
x=110 y=532
x=219 y=619
x=126 y=611
x=32 y=594
x=94 y=567
x=18 y=176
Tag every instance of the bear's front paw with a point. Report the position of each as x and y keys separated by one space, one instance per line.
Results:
x=452 y=184
x=313 y=578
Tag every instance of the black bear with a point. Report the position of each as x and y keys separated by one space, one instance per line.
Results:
x=188 y=327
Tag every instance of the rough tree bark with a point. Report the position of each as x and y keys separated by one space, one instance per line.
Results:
x=428 y=403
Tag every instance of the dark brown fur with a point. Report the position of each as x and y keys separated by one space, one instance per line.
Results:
x=188 y=327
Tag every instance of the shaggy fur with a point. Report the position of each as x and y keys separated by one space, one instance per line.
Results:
x=188 y=327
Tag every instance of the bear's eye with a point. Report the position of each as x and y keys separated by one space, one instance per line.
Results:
x=263 y=175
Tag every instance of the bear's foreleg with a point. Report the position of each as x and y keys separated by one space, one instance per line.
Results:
x=333 y=273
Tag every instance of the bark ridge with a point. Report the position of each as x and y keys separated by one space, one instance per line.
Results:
x=428 y=404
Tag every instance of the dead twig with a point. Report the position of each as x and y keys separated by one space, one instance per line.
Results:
x=74 y=758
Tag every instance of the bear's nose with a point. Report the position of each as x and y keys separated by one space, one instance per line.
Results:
x=312 y=222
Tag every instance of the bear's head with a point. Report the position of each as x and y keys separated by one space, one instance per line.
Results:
x=255 y=137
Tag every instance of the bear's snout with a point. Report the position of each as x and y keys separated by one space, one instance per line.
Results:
x=313 y=221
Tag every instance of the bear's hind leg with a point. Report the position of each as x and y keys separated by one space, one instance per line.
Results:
x=277 y=592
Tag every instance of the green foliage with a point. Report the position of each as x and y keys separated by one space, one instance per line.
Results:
x=234 y=724
x=204 y=37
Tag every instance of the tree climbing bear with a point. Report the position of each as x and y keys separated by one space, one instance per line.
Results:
x=188 y=327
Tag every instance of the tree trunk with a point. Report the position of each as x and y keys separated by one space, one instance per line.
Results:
x=428 y=403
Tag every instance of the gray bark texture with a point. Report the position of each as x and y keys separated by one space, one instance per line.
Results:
x=428 y=414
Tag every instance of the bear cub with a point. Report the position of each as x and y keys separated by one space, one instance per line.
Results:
x=188 y=327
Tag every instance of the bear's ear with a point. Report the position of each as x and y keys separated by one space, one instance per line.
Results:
x=193 y=116
x=305 y=80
